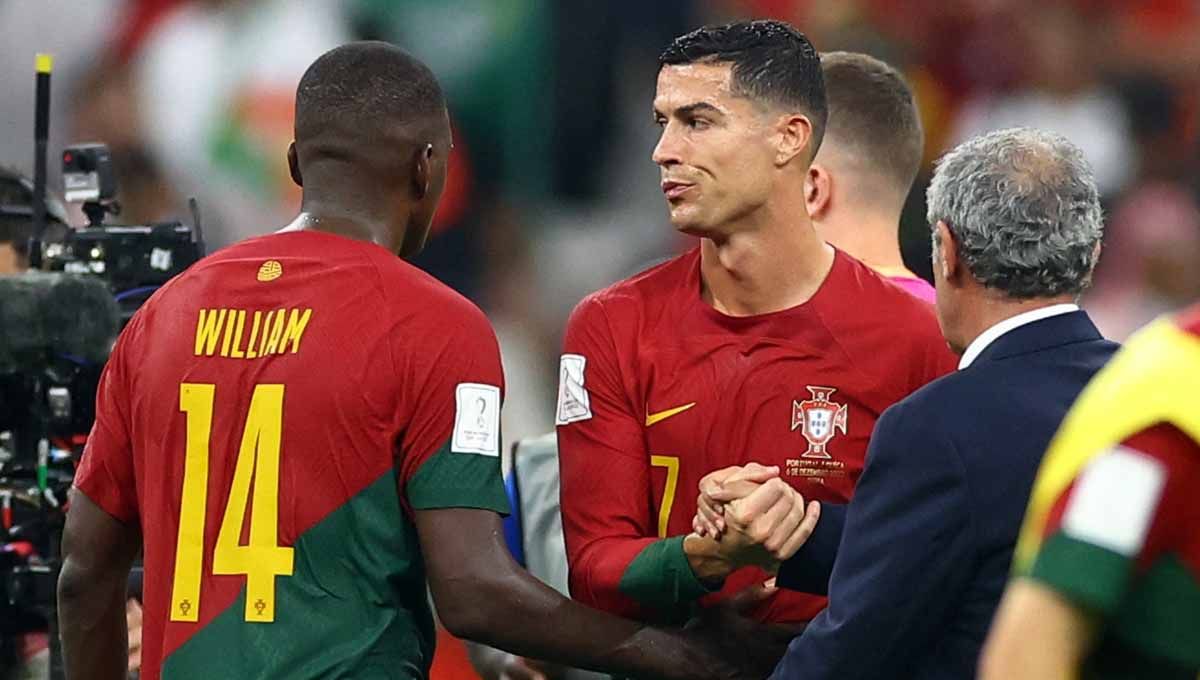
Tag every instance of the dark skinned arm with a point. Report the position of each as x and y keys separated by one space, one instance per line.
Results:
x=98 y=551
x=483 y=595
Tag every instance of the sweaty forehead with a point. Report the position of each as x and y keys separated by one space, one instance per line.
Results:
x=688 y=84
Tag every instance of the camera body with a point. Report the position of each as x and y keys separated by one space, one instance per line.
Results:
x=126 y=256
x=88 y=174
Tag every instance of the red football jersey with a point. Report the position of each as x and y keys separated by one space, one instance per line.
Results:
x=271 y=418
x=658 y=389
x=1158 y=514
x=1122 y=538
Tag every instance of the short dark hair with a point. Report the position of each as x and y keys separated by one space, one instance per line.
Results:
x=771 y=61
x=872 y=109
x=16 y=210
x=361 y=87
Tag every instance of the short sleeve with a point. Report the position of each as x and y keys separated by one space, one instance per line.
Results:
x=453 y=388
x=106 y=472
x=1118 y=517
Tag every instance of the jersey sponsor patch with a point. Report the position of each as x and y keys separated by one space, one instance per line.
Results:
x=477 y=419
x=573 y=401
x=1114 y=501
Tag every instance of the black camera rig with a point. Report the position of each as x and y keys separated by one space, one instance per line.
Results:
x=57 y=326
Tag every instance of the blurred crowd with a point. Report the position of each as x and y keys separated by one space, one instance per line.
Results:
x=552 y=193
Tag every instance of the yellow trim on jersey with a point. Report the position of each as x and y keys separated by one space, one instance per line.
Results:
x=1155 y=378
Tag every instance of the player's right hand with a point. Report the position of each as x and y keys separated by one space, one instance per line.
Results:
x=722 y=486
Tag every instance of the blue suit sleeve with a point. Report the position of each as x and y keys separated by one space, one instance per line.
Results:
x=902 y=562
x=808 y=571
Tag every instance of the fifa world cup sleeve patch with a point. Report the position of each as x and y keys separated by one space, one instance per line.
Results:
x=476 y=419
x=574 y=404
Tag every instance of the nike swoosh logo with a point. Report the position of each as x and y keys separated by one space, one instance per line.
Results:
x=652 y=418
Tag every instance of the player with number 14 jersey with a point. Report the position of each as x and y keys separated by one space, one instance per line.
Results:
x=272 y=441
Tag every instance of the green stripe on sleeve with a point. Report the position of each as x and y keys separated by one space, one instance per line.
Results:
x=1084 y=573
x=458 y=480
x=1161 y=614
x=660 y=576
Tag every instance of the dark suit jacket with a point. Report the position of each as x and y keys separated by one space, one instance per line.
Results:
x=923 y=549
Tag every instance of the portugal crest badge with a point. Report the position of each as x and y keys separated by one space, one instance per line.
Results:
x=818 y=419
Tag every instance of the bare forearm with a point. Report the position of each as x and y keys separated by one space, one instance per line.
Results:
x=98 y=551
x=483 y=595
x=1028 y=612
x=1018 y=657
x=514 y=611
x=91 y=610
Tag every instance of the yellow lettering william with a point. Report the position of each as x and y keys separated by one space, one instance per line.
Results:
x=276 y=331
x=296 y=324
x=208 y=330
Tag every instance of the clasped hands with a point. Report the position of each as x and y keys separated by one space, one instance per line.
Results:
x=756 y=518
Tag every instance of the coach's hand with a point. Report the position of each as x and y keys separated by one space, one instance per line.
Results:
x=768 y=526
x=722 y=486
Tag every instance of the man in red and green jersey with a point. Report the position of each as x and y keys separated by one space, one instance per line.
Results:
x=302 y=427
x=762 y=343
x=1109 y=558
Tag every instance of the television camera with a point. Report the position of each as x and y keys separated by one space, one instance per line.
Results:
x=57 y=325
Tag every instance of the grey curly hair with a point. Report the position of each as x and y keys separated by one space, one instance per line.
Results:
x=1024 y=208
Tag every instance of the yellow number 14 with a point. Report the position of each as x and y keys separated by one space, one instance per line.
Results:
x=262 y=559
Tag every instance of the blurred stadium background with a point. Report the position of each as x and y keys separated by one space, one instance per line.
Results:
x=552 y=192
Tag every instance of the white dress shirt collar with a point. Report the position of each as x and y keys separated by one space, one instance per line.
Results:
x=1013 y=322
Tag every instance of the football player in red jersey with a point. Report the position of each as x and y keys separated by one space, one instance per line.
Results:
x=302 y=428
x=1109 y=560
x=762 y=343
x=869 y=157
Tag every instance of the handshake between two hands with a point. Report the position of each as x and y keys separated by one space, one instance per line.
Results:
x=746 y=516
x=754 y=517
